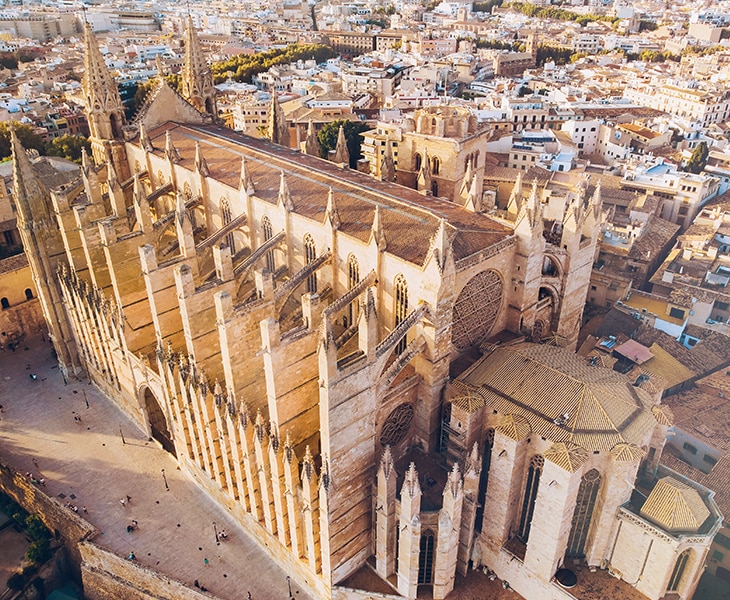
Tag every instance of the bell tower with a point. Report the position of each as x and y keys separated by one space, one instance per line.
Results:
x=197 y=79
x=104 y=108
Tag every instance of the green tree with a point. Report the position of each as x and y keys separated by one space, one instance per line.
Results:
x=26 y=135
x=327 y=138
x=245 y=66
x=39 y=551
x=699 y=157
x=69 y=146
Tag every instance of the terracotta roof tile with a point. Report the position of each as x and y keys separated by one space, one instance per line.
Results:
x=674 y=506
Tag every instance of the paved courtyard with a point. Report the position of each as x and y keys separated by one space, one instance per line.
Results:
x=87 y=462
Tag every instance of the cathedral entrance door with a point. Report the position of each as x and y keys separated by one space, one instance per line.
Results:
x=158 y=423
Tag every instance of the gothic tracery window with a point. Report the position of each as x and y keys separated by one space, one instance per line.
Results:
x=584 y=505
x=679 y=567
x=401 y=308
x=425 y=557
x=435 y=165
x=419 y=160
x=529 y=497
x=484 y=479
x=396 y=426
x=310 y=255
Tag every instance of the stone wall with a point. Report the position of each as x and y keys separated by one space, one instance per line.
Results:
x=65 y=524
x=345 y=593
x=107 y=575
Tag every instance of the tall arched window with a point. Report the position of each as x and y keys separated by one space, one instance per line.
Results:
x=425 y=557
x=310 y=254
x=227 y=218
x=28 y=294
x=353 y=278
x=419 y=160
x=435 y=165
x=268 y=234
x=678 y=571
x=435 y=188
x=484 y=479
x=401 y=308
x=528 y=500
x=584 y=505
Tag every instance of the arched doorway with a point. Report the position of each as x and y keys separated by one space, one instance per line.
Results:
x=158 y=422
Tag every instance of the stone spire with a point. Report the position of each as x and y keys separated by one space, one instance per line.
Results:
x=197 y=79
x=170 y=151
x=104 y=108
x=277 y=129
x=144 y=139
x=332 y=213
x=377 y=231
x=342 y=154
x=246 y=183
x=284 y=194
x=200 y=165
x=29 y=192
x=311 y=144
x=387 y=164
x=515 y=198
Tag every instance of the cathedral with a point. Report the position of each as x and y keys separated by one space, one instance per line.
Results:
x=348 y=364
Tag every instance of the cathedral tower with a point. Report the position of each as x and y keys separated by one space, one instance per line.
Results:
x=197 y=79
x=104 y=108
x=45 y=251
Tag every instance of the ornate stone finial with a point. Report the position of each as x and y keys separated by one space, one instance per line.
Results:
x=441 y=244
x=377 y=231
x=85 y=162
x=515 y=198
x=284 y=195
x=243 y=415
x=342 y=154
x=246 y=183
x=159 y=66
x=201 y=166
x=325 y=479
x=288 y=448
x=144 y=139
x=308 y=464
x=331 y=212
x=170 y=151
x=410 y=483
x=327 y=334
x=387 y=163
x=218 y=396
x=311 y=144
x=386 y=462
x=277 y=129
x=274 y=442
x=259 y=427
x=453 y=483
x=473 y=462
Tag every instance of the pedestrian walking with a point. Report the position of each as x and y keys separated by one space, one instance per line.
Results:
x=129 y=499
x=35 y=462
x=123 y=501
x=206 y=561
